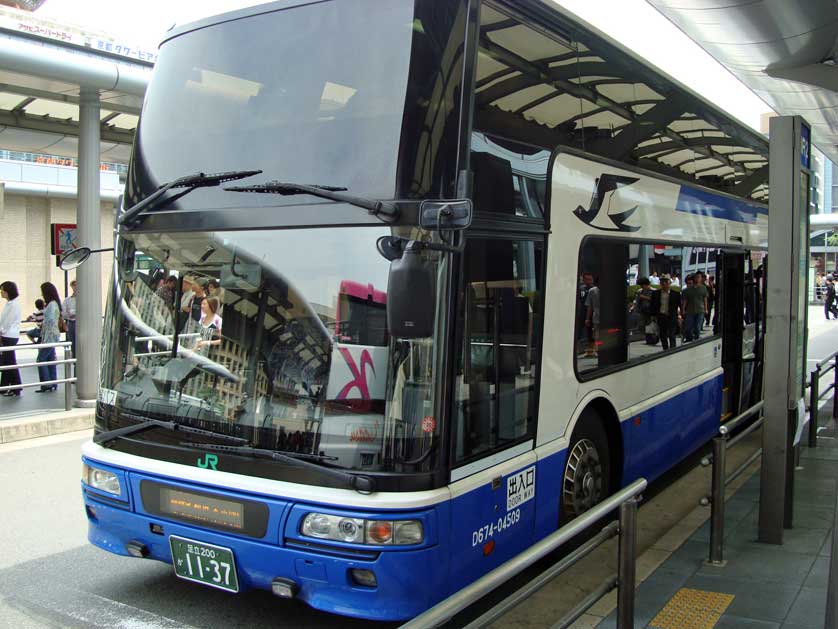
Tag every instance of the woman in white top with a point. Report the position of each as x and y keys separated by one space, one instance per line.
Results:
x=9 y=334
x=210 y=325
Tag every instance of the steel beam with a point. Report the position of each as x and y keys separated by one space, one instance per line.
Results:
x=73 y=68
x=752 y=182
x=31 y=92
x=62 y=127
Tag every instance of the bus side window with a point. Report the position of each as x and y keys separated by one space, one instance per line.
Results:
x=601 y=301
x=497 y=369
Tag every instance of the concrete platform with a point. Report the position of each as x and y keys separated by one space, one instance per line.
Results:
x=760 y=585
x=44 y=425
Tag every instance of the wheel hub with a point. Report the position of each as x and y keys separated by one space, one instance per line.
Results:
x=582 y=483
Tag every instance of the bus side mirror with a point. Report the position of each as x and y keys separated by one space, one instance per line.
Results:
x=410 y=295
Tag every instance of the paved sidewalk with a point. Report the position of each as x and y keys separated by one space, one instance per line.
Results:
x=760 y=585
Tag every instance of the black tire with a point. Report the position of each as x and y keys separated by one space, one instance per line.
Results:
x=587 y=475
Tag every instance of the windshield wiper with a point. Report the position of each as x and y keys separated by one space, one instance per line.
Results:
x=359 y=482
x=147 y=424
x=190 y=182
x=380 y=209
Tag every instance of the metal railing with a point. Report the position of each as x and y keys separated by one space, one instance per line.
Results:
x=626 y=500
x=816 y=395
x=68 y=361
x=722 y=479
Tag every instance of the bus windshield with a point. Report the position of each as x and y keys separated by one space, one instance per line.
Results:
x=249 y=334
x=307 y=94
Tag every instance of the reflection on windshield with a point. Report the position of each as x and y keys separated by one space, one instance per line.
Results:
x=278 y=337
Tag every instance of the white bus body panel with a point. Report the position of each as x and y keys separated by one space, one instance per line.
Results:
x=573 y=182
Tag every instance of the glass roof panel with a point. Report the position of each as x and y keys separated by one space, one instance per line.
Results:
x=53 y=109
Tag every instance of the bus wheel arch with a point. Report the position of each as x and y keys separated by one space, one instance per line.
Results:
x=593 y=466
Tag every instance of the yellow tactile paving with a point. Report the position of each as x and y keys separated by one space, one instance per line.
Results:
x=692 y=609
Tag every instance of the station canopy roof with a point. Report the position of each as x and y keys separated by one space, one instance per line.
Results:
x=40 y=85
x=585 y=90
x=786 y=52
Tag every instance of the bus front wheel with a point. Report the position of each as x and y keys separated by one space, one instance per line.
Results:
x=587 y=472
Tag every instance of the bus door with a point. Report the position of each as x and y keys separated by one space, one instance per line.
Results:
x=500 y=306
x=731 y=318
x=740 y=315
x=753 y=327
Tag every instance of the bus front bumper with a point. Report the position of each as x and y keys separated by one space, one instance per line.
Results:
x=408 y=581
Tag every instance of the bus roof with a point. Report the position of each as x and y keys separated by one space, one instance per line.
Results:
x=631 y=111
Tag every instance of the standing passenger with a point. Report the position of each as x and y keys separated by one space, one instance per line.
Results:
x=592 y=320
x=9 y=335
x=582 y=312
x=701 y=284
x=666 y=307
x=829 y=299
x=711 y=300
x=693 y=303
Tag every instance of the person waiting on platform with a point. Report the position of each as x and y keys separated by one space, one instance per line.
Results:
x=9 y=335
x=49 y=334
x=37 y=318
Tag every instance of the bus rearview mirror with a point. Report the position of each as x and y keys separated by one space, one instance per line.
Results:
x=410 y=295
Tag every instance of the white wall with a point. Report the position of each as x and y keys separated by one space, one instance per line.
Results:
x=25 y=243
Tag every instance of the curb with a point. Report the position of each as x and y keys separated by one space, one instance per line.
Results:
x=46 y=425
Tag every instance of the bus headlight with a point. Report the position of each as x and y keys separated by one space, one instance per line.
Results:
x=100 y=479
x=358 y=531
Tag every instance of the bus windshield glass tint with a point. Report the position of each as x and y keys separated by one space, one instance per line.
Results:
x=307 y=94
x=278 y=337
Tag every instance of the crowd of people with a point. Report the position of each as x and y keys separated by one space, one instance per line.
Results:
x=200 y=300
x=661 y=311
x=51 y=317
x=199 y=307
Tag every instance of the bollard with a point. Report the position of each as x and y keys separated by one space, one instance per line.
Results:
x=625 y=564
x=813 y=408
x=717 y=502
x=68 y=386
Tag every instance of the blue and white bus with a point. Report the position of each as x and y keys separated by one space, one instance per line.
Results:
x=478 y=165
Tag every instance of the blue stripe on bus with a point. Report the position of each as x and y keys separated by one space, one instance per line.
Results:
x=668 y=432
x=706 y=203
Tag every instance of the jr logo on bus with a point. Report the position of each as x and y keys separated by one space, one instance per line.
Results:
x=209 y=462
x=604 y=188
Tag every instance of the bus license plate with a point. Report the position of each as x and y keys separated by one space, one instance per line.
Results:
x=204 y=563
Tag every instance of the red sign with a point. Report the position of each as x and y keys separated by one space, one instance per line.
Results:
x=428 y=424
x=64 y=238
